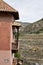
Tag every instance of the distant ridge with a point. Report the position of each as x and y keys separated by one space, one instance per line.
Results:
x=36 y=27
x=23 y=25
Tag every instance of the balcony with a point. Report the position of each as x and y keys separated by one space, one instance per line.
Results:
x=15 y=38
x=14 y=46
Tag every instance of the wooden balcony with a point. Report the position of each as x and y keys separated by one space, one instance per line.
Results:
x=14 y=46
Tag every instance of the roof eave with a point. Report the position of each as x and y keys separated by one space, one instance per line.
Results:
x=16 y=25
x=15 y=14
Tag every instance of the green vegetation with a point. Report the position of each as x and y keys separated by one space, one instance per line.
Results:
x=18 y=55
x=16 y=35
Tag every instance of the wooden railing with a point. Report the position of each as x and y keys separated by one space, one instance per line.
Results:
x=14 y=46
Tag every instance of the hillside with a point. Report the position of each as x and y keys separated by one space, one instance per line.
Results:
x=23 y=25
x=31 y=45
x=36 y=27
x=31 y=48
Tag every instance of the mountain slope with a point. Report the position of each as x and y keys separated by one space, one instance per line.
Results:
x=35 y=27
x=31 y=45
x=23 y=25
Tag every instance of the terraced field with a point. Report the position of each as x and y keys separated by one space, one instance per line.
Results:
x=31 y=47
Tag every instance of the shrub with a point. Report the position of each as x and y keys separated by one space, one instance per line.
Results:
x=17 y=55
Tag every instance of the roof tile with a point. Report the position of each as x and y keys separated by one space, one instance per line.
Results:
x=7 y=8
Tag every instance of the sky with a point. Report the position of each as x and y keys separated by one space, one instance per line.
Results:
x=29 y=10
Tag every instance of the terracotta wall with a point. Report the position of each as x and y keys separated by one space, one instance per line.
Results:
x=6 y=20
x=5 y=31
x=5 y=58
